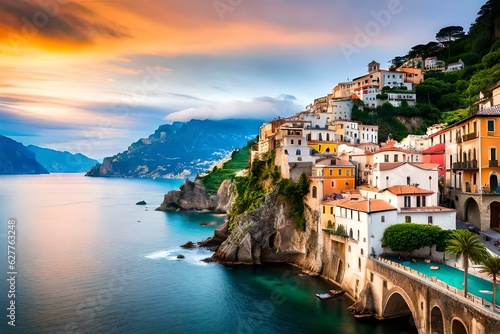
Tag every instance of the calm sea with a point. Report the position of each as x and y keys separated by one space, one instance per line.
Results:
x=88 y=260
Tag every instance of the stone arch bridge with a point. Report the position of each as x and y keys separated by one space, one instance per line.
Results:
x=434 y=307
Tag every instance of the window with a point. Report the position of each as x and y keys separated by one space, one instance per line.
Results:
x=371 y=277
x=384 y=284
x=418 y=201
x=331 y=210
x=429 y=220
x=359 y=263
x=333 y=184
x=324 y=209
x=408 y=180
x=362 y=251
x=382 y=219
x=347 y=172
x=386 y=157
x=330 y=172
x=358 y=234
x=423 y=200
x=315 y=192
x=291 y=141
x=347 y=185
x=300 y=142
x=297 y=152
x=396 y=158
x=340 y=171
x=407 y=219
x=407 y=201
x=491 y=125
x=493 y=153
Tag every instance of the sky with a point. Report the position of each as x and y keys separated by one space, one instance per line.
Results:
x=93 y=76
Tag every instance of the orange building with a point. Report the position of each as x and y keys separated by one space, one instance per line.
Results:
x=337 y=175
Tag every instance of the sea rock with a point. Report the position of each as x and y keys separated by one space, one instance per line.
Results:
x=180 y=256
x=190 y=196
x=141 y=203
x=189 y=244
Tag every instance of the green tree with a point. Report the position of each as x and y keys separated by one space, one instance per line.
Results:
x=491 y=267
x=450 y=33
x=467 y=244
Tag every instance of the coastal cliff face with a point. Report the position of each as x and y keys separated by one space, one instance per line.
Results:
x=192 y=196
x=268 y=234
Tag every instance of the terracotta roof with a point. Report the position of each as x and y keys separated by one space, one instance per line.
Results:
x=427 y=209
x=408 y=190
x=338 y=162
x=391 y=165
x=423 y=165
x=388 y=165
x=491 y=111
x=372 y=205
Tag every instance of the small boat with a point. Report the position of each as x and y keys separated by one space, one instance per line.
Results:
x=330 y=294
x=434 y=267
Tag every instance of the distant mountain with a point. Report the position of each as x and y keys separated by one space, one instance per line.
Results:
x=15 y=158
x=62 y=162
x=180 y=149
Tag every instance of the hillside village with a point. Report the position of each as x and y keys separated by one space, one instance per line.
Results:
x=359 y=188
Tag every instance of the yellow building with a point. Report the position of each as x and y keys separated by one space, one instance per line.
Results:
x=323 y=146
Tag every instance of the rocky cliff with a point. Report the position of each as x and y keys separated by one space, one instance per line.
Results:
x=192 y=196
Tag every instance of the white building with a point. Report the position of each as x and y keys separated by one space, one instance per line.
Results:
x=459 y=65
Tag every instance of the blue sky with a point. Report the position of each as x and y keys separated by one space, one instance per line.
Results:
x=94 y=76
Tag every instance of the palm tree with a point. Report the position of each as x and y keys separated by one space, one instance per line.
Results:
x=491 y=267
x=468 y=244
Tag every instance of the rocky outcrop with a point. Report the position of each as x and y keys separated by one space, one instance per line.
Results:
x=266 y=234
x=192 y=196
x=225 y=196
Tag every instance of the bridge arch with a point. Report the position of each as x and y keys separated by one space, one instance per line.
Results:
x=458 y=326
x=397 y=304
x=472 y=213
x=437 y=322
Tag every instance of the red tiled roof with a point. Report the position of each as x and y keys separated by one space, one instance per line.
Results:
x=408 y=190
x=439 y=148
x=372 y=205
x=389 y=165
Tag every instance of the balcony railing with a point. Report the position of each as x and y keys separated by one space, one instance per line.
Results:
x=471 y=164
x=493 y=163
x=469 y=136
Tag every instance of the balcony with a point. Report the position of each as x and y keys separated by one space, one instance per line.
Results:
x=469 y=136
x=493 y=163
x=471 y=164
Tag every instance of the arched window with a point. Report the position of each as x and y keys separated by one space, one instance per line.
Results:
x=315 y=192
x=327 y=137
x=320 y=137
x=297 y=152
x=351 y=235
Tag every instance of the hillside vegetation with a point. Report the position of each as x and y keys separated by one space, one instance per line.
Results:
x=239 y=161
x=444 y=97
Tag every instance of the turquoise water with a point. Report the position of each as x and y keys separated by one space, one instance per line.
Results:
x=89 y=260
x=455 y=278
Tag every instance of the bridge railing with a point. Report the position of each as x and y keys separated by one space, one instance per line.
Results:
x=433 y=279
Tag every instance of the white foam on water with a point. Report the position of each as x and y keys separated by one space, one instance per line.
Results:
x=194 y=256
x=163 y=254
